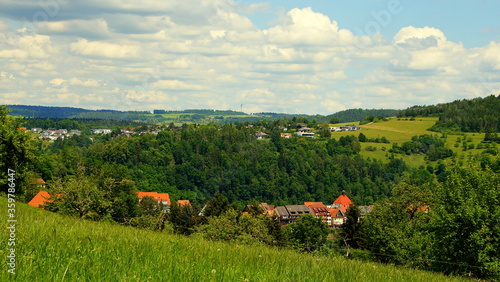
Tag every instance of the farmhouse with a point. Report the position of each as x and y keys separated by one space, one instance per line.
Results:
x=290 y=213
x=162 y=198
x=261 y=135
x=40 y=199
x=305 y=132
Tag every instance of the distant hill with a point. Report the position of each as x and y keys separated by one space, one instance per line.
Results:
x=353 y=115
x=49 y=112
x=467 y=115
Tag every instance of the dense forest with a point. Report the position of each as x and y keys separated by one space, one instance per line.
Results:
x=49 y=112
x=77 y=123
x=197 y=162
x=474 y=115
x=353 y=115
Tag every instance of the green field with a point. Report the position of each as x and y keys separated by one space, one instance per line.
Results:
x=51 y=247
x=396 y=131
x=400 y=131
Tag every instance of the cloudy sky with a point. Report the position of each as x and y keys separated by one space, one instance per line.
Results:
x=307 y=56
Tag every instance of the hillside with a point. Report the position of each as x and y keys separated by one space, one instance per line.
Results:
x=50 y=247
x=467 y=115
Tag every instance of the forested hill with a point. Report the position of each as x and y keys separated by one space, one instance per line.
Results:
x=473 y=115
x=352 y=115
x=48 y=112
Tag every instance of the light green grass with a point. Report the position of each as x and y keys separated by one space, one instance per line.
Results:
x=396 y=131
x=51 y=247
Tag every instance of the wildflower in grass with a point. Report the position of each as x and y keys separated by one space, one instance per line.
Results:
x=214 y=271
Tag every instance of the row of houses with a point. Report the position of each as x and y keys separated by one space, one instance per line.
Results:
x=344 y=128
x=53 y=134
x=162 y=198
x=305 y=131
x=333 y=215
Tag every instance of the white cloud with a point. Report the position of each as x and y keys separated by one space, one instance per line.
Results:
x=57 y=81
x=85 y=28
x=424 y=37
x=175 y=85
x=87 y=82
x=185 y=54
x=105 y=50
x=304 y=26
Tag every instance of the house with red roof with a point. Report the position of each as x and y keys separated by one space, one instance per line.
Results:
x=183 y=202
x=40 y=199
x=342 y=202
x=320 y=210
x=337 y=217
x=162 y=198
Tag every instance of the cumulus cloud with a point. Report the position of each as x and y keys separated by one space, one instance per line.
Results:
x=105 y=49
x=175 y=85
x=57 y=81
x=95 y=28
x=84 y=82
x=187 y=54
x=304 y=26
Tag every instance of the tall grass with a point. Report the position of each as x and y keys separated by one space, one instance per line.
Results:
x=51 y=247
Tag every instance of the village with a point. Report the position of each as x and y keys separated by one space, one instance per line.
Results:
x=333 y=215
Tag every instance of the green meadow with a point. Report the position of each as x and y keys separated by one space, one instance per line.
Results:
x=401 y=130
x=51 y=247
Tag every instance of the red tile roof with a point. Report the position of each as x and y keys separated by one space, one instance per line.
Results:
x=343 y=200
x=335 y=213
x=40 y=199
x=184 y=202
x=315 y=204
x=155 y=195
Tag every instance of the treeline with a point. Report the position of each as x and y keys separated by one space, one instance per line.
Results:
x=197 y=162
x=474 y=115
x=431 y=145
x=49 y=112
x=77 y=123
x=199 y=111
x=353 y=115
x=449 y=226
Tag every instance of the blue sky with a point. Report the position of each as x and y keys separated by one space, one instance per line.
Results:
x=310 y=56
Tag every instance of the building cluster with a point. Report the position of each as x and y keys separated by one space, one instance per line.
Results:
x=333 y=215
x=53 y=134
x=344 y=128
x=304 y=131
x=161 y=198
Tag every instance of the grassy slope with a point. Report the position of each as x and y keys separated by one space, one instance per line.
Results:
x=396 y=131
x=400 y=131
x=51 y=247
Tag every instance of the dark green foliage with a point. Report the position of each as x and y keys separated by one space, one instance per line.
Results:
x=451 y=227
x=16 y=153
x=217 y=206
x=308 y=234
x=79 y=196
x=352 y=233
x=363 y=138
x=396 y=229
x=431 y=145
x=76 y=123
x=352 y=115
x=474 y=115
x=466 y=223
x=184 y=218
